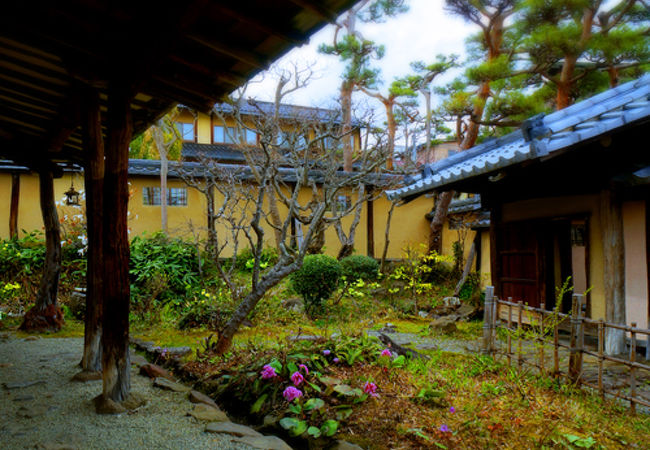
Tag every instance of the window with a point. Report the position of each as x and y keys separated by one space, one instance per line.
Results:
x=223 y=135
x=186 y=131
x=342 y=204
x=175 y=196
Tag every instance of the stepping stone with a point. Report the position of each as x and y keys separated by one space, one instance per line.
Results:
x=344 y=445
x=164 y=383
x=154 y=371
x=29 y=412
x=87 y=375
x=138 y=360
x=24 y=384
x=208 y=413
x=233 y=429
x=24 y=398
x=199 y=397
x=263 y=442
x=178 y=351
x=32 y=338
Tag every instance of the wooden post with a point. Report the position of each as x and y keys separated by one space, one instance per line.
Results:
x=556 y=350
x=633 y=369
x=487 y=320
x=601 y=352
x=509 y=338
x=115 y=320
x=575 y=350
x=541 y=340
x=370 y=225
x=520 y=358
x=13 y=210
x=94 y=187
x=614 y=269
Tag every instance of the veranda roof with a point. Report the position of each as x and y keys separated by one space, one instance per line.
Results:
x=167 y=52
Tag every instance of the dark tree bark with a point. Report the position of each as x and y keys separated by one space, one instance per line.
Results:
x=13 y=212
x=115 y=320
x=94 y=185
x=46 y=315
x=384 y=253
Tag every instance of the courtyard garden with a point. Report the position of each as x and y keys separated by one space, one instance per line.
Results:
x=336 y=351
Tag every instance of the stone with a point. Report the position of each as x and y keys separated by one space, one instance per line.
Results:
x=23 y=398
x=154 y=371
x=344 y=445
x=208 y=413
x=233 y=429
x=451 y=301
x=138 y=360
x=87 y=375
x=263 y=442
x=388 y=328
x=174 y=352
x=200 y=397
x=445 y=324
x=31 y=411
x=32 y=338
x=293 y=304
x=24 y=384
x=423 y=314
x=108 y=406
x=466 y=312
x=305 y=337
x=164 y=383
x=271 y=421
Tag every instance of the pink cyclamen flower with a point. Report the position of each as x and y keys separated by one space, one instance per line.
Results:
x=326 y=352
x=336 y=360
x=297 y=378
x=303 y=367
x=291 y=393
x=452 y=410
x=386 y=352
x=370 y=388
x=444 y=428
x=268 y=372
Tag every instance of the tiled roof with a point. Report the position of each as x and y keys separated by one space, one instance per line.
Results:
x=253 y=107
x=538 y=137
x=220 y=152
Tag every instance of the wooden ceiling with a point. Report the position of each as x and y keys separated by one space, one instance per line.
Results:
x=184 y=51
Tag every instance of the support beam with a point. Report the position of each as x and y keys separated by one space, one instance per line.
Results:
x=370 y=226
x=614 y=268
x=13 y=210
x=115 y=320
x=94 y=186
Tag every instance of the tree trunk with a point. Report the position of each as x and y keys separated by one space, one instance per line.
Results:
x=346 y=108
x=370 y=227
x=467 y=269
x=13 y=211
x=94 y=186
x=275 y=216
x=46 y=315
x=438 y=221
x=382 y=265
x=159 y=139
x=392 y=129
x=211 y=246
x=614 y=269
x=427 y=125
x=115 y=358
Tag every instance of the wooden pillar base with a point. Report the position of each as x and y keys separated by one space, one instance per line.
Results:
x=50 y=319
x=107 y=406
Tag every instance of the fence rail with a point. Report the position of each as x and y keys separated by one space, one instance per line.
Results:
x=526 y=323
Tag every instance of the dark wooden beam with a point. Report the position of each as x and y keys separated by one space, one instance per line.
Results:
x=317 y=9
x=246 y=56
x=115 y=320
x=258 y=24
x=94 y=187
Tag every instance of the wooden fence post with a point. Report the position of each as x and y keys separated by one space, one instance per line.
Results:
x=520 y=331
x=632 y=369
x=577 y=340
x=488 y=320
x=509 y=332
x=601 y=351
x=542 y=336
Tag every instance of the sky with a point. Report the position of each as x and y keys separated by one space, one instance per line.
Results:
x=419 y=34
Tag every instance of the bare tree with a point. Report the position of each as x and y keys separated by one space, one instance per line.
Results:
x=293 y=170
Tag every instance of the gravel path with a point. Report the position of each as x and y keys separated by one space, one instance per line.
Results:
x=61 y=415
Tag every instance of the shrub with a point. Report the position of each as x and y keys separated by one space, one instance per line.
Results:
x=245 y=259
x=162 y=270
x=359 y=267
x=316 y=280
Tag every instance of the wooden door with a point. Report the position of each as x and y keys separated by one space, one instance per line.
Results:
x=520 y=256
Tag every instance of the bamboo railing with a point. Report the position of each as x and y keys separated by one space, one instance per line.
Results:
x=527 y=324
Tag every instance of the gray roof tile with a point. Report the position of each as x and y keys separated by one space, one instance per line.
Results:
x=559 y=130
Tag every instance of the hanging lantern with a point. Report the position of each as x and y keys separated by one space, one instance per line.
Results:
x=71 y=195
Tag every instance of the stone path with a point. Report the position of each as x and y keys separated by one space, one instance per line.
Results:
x=41 y=408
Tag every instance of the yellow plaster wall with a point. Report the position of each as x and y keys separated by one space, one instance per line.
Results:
x=409 y=226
